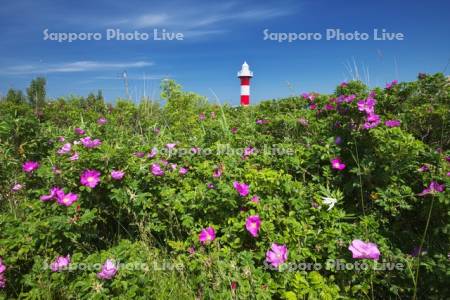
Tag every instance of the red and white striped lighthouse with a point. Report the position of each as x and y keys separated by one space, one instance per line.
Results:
x=244 y=75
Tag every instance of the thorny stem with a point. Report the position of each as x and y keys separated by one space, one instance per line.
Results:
x=362 y=201
x=420 y=249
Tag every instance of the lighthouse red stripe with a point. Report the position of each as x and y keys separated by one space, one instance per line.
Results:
x=245 y=80
x=245 y=99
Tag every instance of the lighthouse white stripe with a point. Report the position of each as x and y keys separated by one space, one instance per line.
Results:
x=245 y=90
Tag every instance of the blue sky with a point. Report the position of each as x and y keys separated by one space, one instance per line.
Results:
x=218 y=37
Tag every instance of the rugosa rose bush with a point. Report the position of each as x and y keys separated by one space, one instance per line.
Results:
x=194 y=200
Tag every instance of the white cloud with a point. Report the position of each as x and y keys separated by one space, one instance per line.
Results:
x=149 y=20
x=195 y=33
x=70 y=67
x=203 y=20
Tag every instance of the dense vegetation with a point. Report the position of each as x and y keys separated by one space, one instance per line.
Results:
x=195 y=200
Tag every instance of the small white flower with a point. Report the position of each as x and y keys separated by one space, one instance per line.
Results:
x=76 y=142
x=329 y=201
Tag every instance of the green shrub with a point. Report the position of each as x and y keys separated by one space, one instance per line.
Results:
x=152 y=223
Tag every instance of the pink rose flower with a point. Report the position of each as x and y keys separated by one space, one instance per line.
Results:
x=90 y=178
x=156 y=170
x=337 y=164
x=242 y=188
x=108 y=271
x=30 y=166
x=253 y=225
x=277 y=255
x=362 y=250
x=207 y=235
x=60 y=263
x=117 y=174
